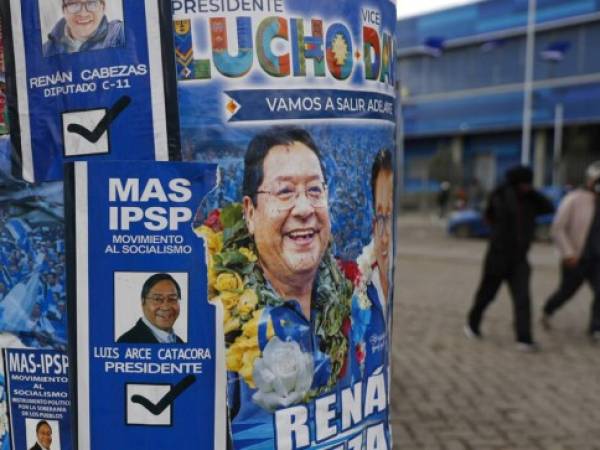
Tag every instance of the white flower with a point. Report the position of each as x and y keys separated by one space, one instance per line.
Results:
x=366 y=260
x=365 y=263
x=283 y=375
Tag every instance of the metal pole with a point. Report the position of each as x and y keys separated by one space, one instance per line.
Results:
x=527 y=88
x=558 y=137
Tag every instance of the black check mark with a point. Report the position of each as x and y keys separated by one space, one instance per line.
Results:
x=102 y=126
x=176 y=391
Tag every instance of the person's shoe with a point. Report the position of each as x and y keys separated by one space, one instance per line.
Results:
x=528 y=347
x=545 y=322
x=595 y=337
x=470 y=333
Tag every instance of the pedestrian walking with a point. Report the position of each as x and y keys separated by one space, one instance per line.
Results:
x=576 y=233
x=443 y=199
x=511 y=211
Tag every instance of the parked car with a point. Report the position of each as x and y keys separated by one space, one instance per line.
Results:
x=470 y=222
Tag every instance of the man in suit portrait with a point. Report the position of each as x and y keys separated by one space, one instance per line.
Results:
x=43 y=433
x=161 y=296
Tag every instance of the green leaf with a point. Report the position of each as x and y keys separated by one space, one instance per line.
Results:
x=231 y=214
x=247 y=269
x=233 y=258
x=234 y=233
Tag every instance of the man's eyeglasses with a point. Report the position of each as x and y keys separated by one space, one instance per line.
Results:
x=286 y=196
x=158 y=300
x=75 y=7
x=382 y=223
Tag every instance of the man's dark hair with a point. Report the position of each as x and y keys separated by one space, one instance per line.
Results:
x=154 y=279
x=40 y=424
x=518 y=175
x=382 y=163
x=259 y=147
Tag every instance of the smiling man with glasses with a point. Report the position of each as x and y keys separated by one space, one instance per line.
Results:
x=296 y=283
x=375 y=263
x=160 y=297
x=84 y=26
x=286 y=210
x=382 y=188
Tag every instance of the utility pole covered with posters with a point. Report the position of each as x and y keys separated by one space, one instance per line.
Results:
x=242 y=297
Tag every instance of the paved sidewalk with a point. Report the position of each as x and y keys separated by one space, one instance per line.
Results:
x=450 y=393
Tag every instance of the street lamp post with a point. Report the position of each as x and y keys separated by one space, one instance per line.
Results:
x=558 y=138
x=528 y=88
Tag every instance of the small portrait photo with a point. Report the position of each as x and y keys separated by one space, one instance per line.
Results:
x=151 y=307
x=42 y=434
x=72 y=26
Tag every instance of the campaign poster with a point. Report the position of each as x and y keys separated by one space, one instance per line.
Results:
x=3 y=122
x=4 y=434
x=37 y=399
x=32 y=268
x=88 y=80
x=32 y=260
x=146 y=362
x=295 y=101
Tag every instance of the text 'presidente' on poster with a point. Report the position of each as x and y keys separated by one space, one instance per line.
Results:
x=295 y=100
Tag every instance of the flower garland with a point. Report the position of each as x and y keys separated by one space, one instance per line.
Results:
x=237 y=281
x=360 y=272
x=365 y=262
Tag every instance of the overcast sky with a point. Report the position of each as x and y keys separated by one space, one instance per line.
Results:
x=408 y=8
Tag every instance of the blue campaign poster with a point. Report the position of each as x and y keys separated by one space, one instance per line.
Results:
x=32 y=267
x=147 y=364
x=37 y=399
x=295 y=100
x=89 y=80
x=32 y=262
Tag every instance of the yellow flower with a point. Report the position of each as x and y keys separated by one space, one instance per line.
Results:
x=240 y=357
x=248 y=301
x=214 y=241
x=229 y=299
x=250 y=328
x=244 y=351
x=226 y=315
x=231 y=324
x=247 y=368
x=211 y=274
x=234 y=358
x=249 y=254
x=229 y=282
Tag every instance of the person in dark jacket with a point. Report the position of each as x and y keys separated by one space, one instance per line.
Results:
x=84 y=27
x=511 y=212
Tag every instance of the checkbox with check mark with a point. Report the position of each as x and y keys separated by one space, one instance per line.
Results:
x=78 y=145
x=86 y=132
x=138 y=414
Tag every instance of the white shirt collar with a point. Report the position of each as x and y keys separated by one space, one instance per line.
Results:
x=164 y=337
x=376 y=280
x=41 y=446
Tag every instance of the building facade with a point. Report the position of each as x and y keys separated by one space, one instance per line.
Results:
x=462 y=75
